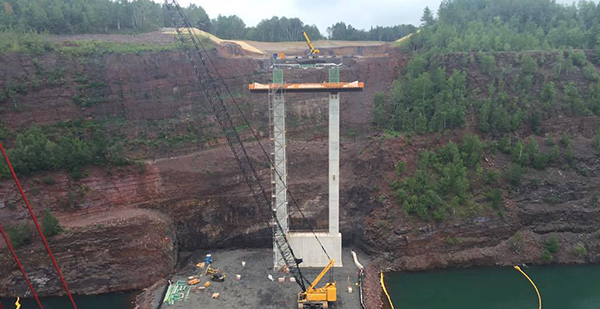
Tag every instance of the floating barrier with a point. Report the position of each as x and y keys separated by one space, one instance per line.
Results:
x=386 y=292
x=533 y=284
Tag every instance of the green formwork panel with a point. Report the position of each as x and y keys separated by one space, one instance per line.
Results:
x=277 y=76
x=334 y=75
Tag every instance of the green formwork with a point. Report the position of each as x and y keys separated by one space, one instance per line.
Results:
x=179 y=291
x=334 y=75
x=277 y=76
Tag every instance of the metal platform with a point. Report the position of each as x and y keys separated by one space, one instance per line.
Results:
x=309 y=87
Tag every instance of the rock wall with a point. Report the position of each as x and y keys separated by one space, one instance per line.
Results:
x=119 y=251
x=191 y=194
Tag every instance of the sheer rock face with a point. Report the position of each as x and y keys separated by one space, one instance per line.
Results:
x=125 y=225
x=123 y=250
x=121 y=232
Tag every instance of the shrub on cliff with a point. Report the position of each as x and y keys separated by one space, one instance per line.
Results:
x=552 y=244
x=19 y=234
x=495 y=198
x=513 y=175
x=579 y=250
x=50 y=225
x=546 y=256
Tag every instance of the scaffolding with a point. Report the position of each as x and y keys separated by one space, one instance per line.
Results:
x=278 y=161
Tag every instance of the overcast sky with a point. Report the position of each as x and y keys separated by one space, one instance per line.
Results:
x=324 y=13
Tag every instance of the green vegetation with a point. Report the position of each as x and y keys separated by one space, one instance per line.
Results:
x=425 y=100
x=579 y=250
x=440 y=185
x=495 y=198
x=32 y=43
x=513 y=175
x=487 y=64
x=106 y=16
x=491 y=25
x=546 y=256
x=516 y=241
x=491 y=177
x=400 y=168
x=453 y=241
x=341 y=31
x=71 y=145
x=50 y=225
x=380 y=113
x=529 y=65
x=19 y=234
x=552 y=244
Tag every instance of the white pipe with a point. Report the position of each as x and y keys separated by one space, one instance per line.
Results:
x=356 y=262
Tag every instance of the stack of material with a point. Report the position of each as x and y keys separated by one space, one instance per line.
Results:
x=177 y=292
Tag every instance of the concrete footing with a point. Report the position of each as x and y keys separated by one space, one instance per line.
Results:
x=306 y=247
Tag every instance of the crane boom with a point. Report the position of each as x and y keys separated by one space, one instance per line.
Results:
x=321 y=275
x=212 y=85
x=313 y=50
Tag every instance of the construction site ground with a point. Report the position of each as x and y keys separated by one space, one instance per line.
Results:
x=255 y=49
x=255 y=289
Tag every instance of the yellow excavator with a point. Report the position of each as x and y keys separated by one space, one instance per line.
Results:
x=313 y=50
x=318 y=298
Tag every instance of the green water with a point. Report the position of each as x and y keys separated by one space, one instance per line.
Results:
x=561 y=287
x=103 y=301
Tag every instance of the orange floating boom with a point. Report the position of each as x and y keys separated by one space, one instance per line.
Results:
x=309 y=87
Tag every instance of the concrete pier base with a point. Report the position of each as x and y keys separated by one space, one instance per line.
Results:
x=306 y=247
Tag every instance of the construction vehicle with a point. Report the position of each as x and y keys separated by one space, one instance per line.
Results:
x=214 y=274
x=217 y=277
x=318 y=298
x=215 y=90
x=313 y=50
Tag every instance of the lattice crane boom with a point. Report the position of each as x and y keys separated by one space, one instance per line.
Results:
x=214 y=91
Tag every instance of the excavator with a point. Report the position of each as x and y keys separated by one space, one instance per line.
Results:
x=214 y=88
x=313 y=50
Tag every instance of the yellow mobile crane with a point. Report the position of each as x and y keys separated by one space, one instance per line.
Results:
x=318 y=298
x=313 y=50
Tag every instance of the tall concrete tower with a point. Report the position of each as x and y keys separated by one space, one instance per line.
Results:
x=307 y=245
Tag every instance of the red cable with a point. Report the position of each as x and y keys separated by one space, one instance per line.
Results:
x=37 y=226
x=10 y=247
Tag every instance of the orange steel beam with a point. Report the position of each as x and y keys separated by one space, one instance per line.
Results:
x=309 y=87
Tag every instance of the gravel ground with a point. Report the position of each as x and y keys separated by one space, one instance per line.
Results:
x=255 y=290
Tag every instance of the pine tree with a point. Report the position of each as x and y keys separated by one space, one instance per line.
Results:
x=427 y=18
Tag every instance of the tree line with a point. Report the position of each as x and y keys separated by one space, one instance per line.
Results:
x=135 y=16
x=507 y=25
x=341 y=31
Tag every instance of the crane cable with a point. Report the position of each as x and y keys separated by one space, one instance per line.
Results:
x=533 y=284
x=37 y=226
x=14 y=254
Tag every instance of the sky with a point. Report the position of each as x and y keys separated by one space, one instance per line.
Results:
x=325 y=13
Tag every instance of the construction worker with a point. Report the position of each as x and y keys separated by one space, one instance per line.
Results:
x=18 y=304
